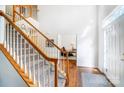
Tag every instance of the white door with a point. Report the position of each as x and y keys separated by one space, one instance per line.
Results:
x=121 y=41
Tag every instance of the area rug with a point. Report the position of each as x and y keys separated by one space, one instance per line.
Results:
x=94 y=80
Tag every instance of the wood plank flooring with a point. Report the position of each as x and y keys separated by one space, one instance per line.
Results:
x=75 y=71
x=73 y=76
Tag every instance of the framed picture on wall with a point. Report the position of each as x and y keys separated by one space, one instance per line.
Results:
x=49 y=44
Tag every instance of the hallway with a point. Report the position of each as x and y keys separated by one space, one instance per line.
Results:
x=92 y=44
x=62 y=46
x=89 y=77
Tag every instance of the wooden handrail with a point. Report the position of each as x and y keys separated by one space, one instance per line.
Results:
x=64 y=52
x=33 y=45
x=54 y=60
x=40 y=32
x=27 y=38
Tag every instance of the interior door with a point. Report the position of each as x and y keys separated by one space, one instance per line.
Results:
x=121 y=42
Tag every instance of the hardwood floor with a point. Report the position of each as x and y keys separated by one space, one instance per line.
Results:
x=90 y=70
x=73 y=76
x=75 y=71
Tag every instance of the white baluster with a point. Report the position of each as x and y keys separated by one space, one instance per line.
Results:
x=17 y=49
x=39 y=43
x=39 y=70
x=14 y=44
x=54 y=52
x=25 y=65
x=58 y=57
x=11 y=40
x=21 y=63
x=5 y=36
x=34 y=79
x=8 y=40
x=49 y=75
x=29 y=70
x=43 y=74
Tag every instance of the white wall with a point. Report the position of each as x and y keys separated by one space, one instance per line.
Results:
x=69 y=21
x=63 y=20
x=87 y=40
x=2 y=22
x=9 y=77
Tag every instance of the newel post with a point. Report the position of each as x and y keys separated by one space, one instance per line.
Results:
x=56 y=74
x=67 y=63
x=14 y=13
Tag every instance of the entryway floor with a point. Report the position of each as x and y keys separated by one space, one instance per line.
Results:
x=92 y=78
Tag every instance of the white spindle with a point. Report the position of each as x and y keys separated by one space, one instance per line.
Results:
x=17 y=48
x=48 y=74
x=43 y=74
x=38 y=62
x=29 y=69
x=5 y=35
x=39 y=70
x=21 y=63
x=25 y=63
x=34 y=79
x=14 y=43
x=11 y=29
x=53 y=52
x=8 y=37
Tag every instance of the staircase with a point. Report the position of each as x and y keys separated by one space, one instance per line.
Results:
x=38 y=65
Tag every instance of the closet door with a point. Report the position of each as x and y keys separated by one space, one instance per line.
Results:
x=121 y=43
x=117 y=54
x=111 y=53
